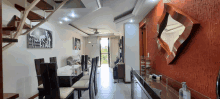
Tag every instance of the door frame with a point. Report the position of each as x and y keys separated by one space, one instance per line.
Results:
x=108 y=52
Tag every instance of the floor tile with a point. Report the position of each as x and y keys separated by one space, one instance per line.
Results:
x=107 y=89
x=105 y=96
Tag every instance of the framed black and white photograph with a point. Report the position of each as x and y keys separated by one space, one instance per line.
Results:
x=39 y=38
x=77 y=44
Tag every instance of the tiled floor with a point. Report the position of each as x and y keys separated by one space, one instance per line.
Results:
x=107 y=89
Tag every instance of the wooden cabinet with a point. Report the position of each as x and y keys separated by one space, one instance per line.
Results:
x=121 y=71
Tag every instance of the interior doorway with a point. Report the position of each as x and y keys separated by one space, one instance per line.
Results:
x=104 y=51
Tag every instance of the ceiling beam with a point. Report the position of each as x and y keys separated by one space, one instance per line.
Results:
x=78 y=28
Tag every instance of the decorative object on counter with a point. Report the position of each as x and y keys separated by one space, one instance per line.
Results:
x=155 y=77
x=217 y=86
x=77 y=44
x=148 y=61
x=143 y=65
x=40 y=38
x=166 y=88
x=173 y=21
x=184 y=93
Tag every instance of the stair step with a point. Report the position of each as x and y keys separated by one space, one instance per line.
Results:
x=7 y=33
x=9 y=40
x=15 y=18
x=9 y=28
x=58 y=1
x=42 y=5
x=34 y=17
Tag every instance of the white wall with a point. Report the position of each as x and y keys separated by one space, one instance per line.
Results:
x=114 y=50
x=92 y=49
x=131 y=49
x=19 y=75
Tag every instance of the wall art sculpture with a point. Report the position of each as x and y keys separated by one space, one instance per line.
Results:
x=174 y=28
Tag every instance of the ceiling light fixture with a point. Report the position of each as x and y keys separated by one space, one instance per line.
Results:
x=89 y=42
x=131 y=20
x=61 y=22
x=73 y=15
x=66 y=19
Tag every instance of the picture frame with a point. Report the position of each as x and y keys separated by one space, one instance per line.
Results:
x=40 y=38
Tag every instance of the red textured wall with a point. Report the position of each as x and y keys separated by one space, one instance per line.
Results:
x=198 y=64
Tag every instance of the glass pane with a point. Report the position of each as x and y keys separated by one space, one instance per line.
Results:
x=104 y=59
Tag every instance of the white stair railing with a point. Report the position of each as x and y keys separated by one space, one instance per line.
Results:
x=20 y=27
x=42 y=22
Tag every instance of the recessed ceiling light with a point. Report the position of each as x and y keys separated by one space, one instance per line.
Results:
x=73 y=15
x=131 y=20
x=61 y=22
x=66 y=19
x=89 y=42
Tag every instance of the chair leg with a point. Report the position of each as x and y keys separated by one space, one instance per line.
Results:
x=41 y=95
x=78 y=94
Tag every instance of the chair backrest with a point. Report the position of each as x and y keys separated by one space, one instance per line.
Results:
x=86 y=61
x=91 y=80
x=50 y=80
x=82 y=62
x=37 y=68
x=55 y=92
x=54 y=60
x=95 y=75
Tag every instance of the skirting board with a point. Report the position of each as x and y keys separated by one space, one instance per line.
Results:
x=34 y=96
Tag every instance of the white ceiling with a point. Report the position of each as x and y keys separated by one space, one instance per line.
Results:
x=95 y=17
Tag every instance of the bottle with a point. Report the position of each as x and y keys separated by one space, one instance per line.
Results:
x=184 y=93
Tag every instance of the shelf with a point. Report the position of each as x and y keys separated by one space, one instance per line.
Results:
x=42 y=5
x=9 y=40
x=31 y=16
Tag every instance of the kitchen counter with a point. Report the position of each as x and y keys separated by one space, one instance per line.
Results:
x=145 y=87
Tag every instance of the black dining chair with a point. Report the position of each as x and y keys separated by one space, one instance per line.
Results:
x=86 y=84
x=53 y=60
x=51 y=84
x=95 y=78
x=86 y=62
x=39 y=79
x=82 y=62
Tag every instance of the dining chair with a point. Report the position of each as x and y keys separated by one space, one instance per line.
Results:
x=51 y=84
x=95 y=78
x=39 y=79
x=86 y=84
x=82 y=62
x=53 y=60
x=86 y=62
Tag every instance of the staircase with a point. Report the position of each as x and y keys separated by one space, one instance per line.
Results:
x=16 y=25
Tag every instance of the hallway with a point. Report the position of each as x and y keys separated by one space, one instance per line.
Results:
x=107 y=89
